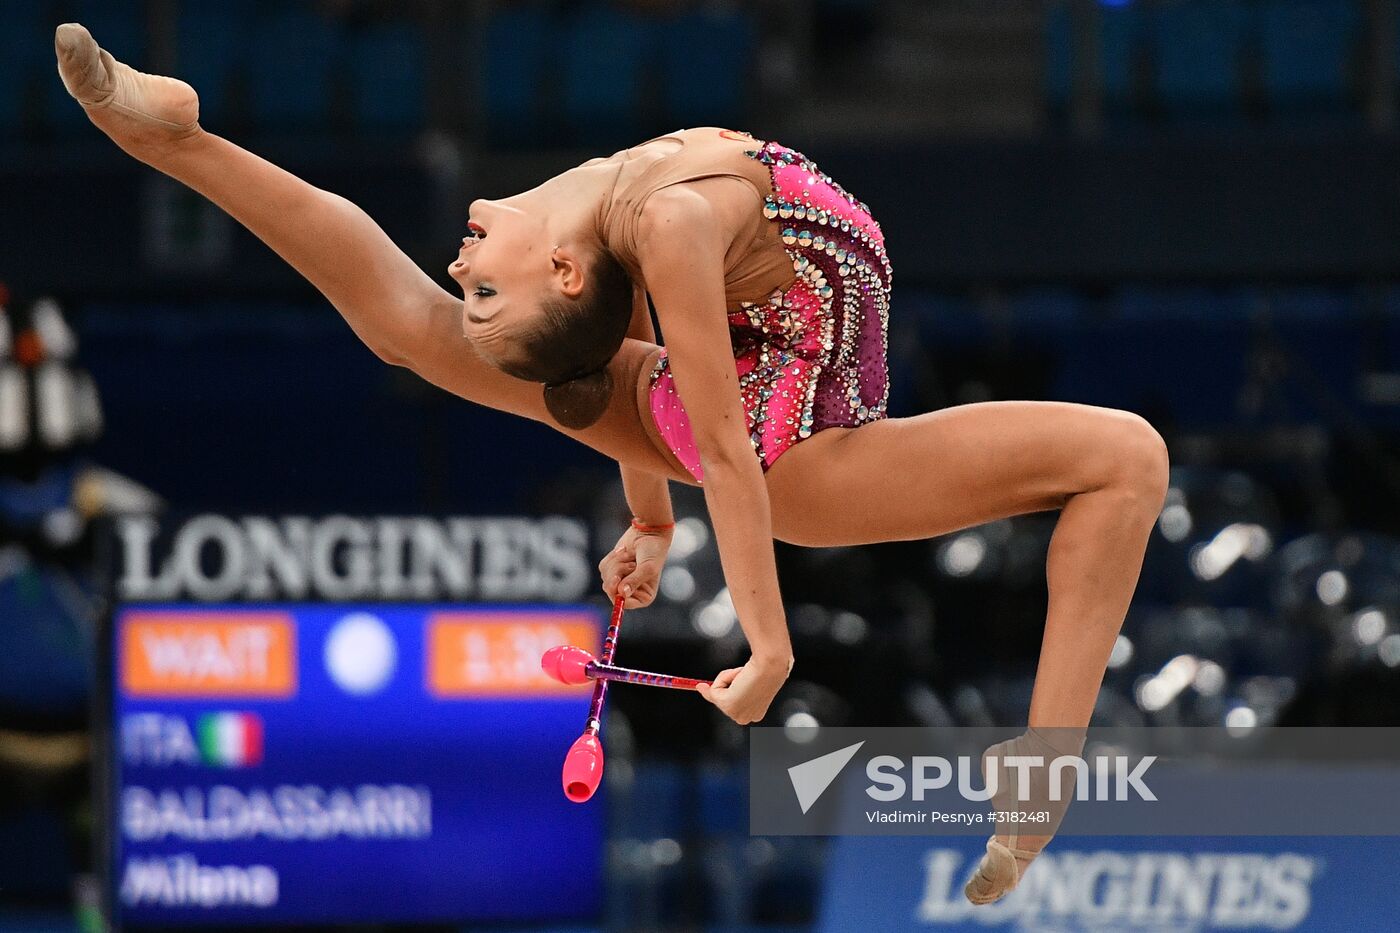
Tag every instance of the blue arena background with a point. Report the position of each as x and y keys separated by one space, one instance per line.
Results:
x=1181 y=208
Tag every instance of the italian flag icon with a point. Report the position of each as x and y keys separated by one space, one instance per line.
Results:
x=231 y=740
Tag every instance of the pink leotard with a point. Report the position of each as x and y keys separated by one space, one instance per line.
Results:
x=812 y=354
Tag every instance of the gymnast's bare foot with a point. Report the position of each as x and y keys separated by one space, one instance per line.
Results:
x=149 y=116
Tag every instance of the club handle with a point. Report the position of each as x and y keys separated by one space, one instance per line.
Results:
x=600 y=671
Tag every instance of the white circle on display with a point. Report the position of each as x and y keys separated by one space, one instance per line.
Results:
x=361 y=654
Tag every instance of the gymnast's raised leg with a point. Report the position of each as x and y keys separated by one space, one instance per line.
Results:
x=392 y=304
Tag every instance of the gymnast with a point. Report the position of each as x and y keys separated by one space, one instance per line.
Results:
x=771 y=284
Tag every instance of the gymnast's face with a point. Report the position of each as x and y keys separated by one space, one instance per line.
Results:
x=508 y=268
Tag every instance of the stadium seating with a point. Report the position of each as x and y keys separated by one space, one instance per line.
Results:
x=1133 y=359
x=1309 y=53
x=1318 y=347
x=1121 y=31
x=1046 y=311
x=1211 y=58
x=23 y=42
x=213 y=38
x=517 y=51
x=1199 y=48
x=292 y=57
x=387 y=73
x=1121 y=36
x=603 y=59
x=1059 y=57
x=705 y=68
x=1185 y=305
x=619 y=72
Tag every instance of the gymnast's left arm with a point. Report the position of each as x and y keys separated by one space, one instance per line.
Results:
x=635 y=562
x=681 y=251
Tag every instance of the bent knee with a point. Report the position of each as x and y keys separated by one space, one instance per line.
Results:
x=1140 y=465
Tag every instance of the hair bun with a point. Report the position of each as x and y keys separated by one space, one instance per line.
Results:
x=580 y=402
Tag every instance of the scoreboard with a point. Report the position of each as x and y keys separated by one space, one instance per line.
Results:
x=278 y=765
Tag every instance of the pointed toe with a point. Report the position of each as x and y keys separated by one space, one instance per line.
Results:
x=69 y=38
x=995 y=877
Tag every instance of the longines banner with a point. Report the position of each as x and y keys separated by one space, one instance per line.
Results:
x=338 y=558
x=1121 y=884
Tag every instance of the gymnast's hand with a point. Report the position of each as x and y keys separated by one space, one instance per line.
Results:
x=744 y=693
x=635 y=566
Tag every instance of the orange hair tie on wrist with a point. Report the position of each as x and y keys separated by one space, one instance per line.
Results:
x=652 y=529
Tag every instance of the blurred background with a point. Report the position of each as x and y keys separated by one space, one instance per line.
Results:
x=1183 y=208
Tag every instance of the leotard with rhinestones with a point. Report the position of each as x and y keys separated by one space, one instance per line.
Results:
x=808 y=297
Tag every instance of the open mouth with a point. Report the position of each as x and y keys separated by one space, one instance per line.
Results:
x=476 y=230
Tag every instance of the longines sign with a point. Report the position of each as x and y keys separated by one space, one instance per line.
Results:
x=214 y=558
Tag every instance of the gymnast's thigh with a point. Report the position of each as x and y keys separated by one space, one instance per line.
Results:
x=909 y=478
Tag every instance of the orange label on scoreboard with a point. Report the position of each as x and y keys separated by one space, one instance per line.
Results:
x=208 y=654
x=476 y=654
